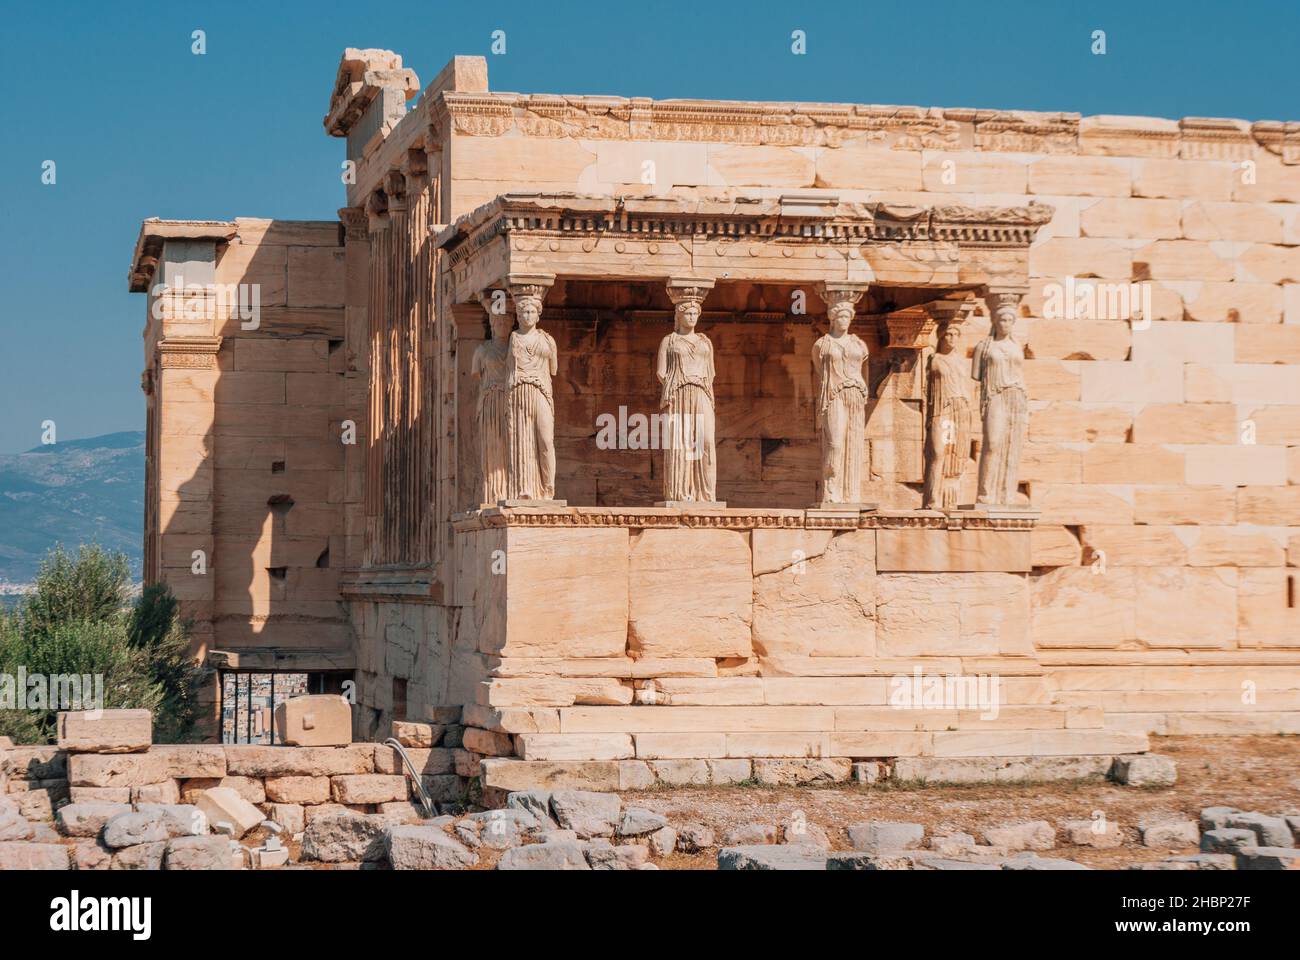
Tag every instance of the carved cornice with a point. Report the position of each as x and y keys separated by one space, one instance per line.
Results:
x=355 y=223
x=672 y=219
x=913 y=128
x=189 y=353
x=735 y=519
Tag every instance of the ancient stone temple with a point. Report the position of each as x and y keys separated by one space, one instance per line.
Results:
x=657 y=437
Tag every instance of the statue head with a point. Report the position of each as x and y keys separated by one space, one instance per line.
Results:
x=528 y=311
x=1004 y=321
x=949 y=334
x=686 y=315
x=501 y=323
x=840 y=315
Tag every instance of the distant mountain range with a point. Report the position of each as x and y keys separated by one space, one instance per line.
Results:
x=71 y=492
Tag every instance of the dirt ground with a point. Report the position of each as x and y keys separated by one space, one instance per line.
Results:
x=1251 y=773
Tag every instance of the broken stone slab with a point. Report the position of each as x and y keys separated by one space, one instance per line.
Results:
x=555 y=836
x=868 y=771
x=251 y=789
x=224 y=805
x=789 y=856
x=419 y=847
x=694 y=837
x=1206 y=861
x=534 y=802
x=87 y=819
x=288 y=815
x=1227 y=840
x=1084 y=833
x=100 y=795
x=626 y=857
x=564 y=855
x=750 y=834
x=1216 y=818
x=1268 y=858
x=1042 y=863
x=1271 y=831
x=133 y=829
x=864 y=860
x=1145 y=770
x=797 y=829
x=952 y=863
x=198 y=853
x=344 y=837
x=663 y=841
x=417 y=735
x=1031 y=835
x=951 y=844
x=91 y=855
x=317 y=720
x=105 y=731
x=13 y=826
x=181 y=819
x=1169 y=833
x=638 y=821
x=586 y=813
x=19 y=855
x=1000 y=769
x=146 y=856
x=268 y=858
x=877 y=836
x=369 y=788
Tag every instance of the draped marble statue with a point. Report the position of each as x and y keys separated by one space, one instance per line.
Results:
x=685 y=370
x=948 y=420
x=533 y=361
x=998 y=364
x=838 y=358
x=491 y=364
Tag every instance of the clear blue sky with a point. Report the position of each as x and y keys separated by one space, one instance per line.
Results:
x=141 y=127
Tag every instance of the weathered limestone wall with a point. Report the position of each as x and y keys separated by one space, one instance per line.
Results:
x=1165 y=458
x=246 y=368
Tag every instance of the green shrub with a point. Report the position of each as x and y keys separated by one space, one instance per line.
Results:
x=77 y=623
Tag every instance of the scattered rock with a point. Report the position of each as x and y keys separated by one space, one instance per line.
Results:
x=1216 y=818
x=1042 y=863
x=1271 y=831
x=414 y=847
x=878 y=836
x=1145 y=770
x=951 y=844
x=863 y=860
x=1033 y=835
x=132 y=829
x=748 y=834
x=147 y=856
x=91 y=855
x=663 y=841
x=789 y=856
x=627 y=857
x=1268 y=858
x=87 y=819
x=1227 y=840
x=638 y=821
x=693 y=837
x=1084 y=833
x=342 y=837
x=586 y=813
x=565 y=855
x=19 y=855
x=1169 y=834
x=198 y=853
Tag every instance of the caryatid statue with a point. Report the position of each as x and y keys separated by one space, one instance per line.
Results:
x=685 y=370
x=948 y=420
x=999 y=366
x=838 y=358
x=491 y=364
x=533 y=362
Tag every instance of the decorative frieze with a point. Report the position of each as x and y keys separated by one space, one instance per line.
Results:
x=193 y=353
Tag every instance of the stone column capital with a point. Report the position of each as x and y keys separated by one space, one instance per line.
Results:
x=688 y=289
x=355 y=223
x=1004 y=297
x=533 y=285
x=834 y=292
